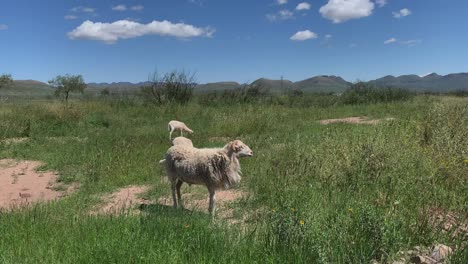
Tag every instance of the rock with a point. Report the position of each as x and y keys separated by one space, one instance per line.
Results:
x=440 y=252
x=422 y=260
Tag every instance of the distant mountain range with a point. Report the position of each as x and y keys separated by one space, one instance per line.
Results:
x=431 y=82
x=323 y=83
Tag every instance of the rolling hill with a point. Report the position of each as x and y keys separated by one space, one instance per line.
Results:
x=274 y=86
x=27 y=88
x=429 y=83
x=323 y=84
x=216 y=87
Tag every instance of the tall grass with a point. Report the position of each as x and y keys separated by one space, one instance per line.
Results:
x=318 y=194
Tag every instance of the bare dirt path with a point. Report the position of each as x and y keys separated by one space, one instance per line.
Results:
x=354 y=120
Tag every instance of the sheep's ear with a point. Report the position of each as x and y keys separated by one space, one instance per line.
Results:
x=235 y=145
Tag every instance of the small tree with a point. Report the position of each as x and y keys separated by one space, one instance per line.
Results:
x=68 y=84
x=173 y=87
x=6 y=80
x=105 y=92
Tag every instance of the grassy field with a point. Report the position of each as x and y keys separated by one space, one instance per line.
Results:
x=338 y=193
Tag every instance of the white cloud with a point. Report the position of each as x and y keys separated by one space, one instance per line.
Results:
x=328 y=36
x=411 y=42
x=281 y=2
x=137 y=8
x=3 y=27
x=303 y=35
x=83 y=9
x=70 y=17
x=281 y=15
x=390 y=40
x=196 y=2
x=303 y=6
x=124 y=29
x=119 y=8
x=342 y=10
x=402 y=13
x=381 y=3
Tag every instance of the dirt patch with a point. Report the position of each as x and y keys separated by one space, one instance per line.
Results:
x=128 y=200
x=21 y=185
x=123 y=201
x=455 y=224
x=9 y=141
x=195 y=202
x=354 y=120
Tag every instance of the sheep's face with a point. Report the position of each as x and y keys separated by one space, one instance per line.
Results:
x=241 y=149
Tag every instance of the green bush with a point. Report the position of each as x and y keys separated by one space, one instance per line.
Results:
x=364 y=93
x=173 y=87
x=246 y=93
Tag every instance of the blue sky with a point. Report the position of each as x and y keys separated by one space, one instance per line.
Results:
x=223 y=40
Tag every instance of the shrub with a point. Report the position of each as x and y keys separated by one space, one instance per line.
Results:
x=246 y=93
x=172 y=87
x=364 y=93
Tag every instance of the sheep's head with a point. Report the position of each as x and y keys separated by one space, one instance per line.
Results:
x=239 y=149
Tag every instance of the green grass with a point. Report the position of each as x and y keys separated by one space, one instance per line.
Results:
x=320 y=194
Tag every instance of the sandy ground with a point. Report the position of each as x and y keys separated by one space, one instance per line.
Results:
x=124 y=200
x=22 y=185
x=128 y=200
x=354 y=120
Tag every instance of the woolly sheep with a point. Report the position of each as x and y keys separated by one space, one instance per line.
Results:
x=177 y=125
x=216 y=168
x=182 y=141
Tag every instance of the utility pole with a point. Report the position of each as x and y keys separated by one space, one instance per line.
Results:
x=281 y=83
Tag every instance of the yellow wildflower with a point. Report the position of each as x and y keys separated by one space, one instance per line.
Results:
x=186 y=225
x=273 y=210
x=301 y=222
x=350 y=210
x=293 y=209
x=466 y=160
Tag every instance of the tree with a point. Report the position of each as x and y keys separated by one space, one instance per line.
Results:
x=173 y=87
x=68 y=84
x=5 y=80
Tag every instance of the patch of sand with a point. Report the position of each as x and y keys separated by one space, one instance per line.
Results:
x=194 y=203
x=21 y=185
x=128 y=200
x=9 y=141
x=124 y=200
x=354 y=120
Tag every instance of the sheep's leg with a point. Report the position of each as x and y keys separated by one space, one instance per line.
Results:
x=211 y=207
x=178 y=185
x=181 y=132
x=174 y=198
x=170 y=128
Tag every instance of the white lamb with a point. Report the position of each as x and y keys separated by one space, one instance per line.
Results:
x=177 y=125
x=216 y=168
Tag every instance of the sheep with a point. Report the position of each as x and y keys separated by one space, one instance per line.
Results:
x=177 y=125
x=216 y=168
x=182 y=141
